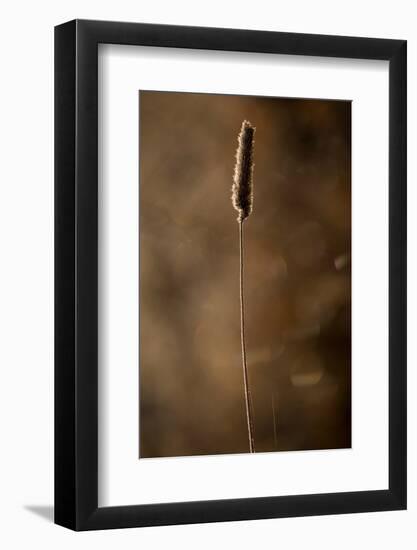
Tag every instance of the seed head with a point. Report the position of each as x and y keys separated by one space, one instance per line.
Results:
x=242 y=189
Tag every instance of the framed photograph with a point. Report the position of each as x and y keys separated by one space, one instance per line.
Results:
x=230 y=255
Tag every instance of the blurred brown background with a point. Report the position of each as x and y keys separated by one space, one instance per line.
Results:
x=297 y=275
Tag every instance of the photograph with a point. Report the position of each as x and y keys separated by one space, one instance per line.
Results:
x=244 y=274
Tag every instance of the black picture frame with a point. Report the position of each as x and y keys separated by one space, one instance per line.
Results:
x=76 y=272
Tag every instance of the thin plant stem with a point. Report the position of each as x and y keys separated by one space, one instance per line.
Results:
x=248 y=400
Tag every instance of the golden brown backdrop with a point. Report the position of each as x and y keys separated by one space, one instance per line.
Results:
x=297 y=275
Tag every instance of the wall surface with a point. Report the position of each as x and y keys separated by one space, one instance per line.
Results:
x=26 y=289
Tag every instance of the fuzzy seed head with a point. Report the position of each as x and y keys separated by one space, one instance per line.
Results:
x=242 y=189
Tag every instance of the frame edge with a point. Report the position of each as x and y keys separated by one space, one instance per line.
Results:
x=65 y=259
x=398 y=274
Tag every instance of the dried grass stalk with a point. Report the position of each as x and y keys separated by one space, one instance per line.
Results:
x=242 y=199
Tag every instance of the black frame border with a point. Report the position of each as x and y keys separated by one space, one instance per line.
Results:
x=76 y=269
